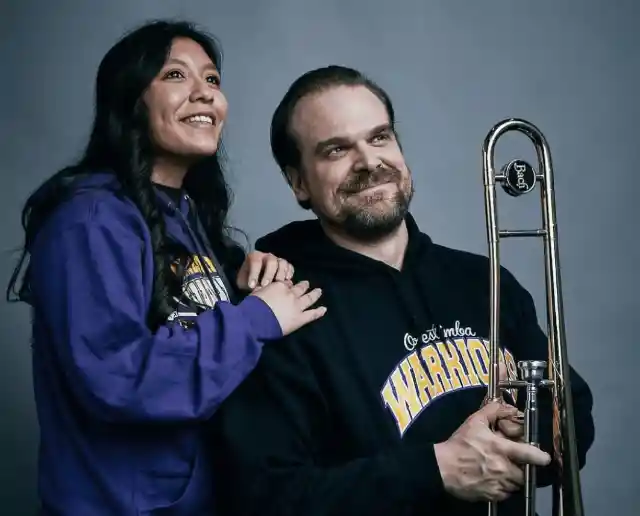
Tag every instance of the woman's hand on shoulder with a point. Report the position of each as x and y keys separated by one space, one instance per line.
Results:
x=260 y=269
x=293 y=305
x=270 y=278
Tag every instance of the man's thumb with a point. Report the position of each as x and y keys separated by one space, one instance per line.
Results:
x=496 y=410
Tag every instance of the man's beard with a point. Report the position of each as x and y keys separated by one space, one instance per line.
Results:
x=372 y=218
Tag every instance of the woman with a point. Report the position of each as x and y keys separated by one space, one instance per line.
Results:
x=138 y=334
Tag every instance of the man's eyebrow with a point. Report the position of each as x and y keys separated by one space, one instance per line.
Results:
x=343 y=140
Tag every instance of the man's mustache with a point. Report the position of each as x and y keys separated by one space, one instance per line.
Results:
x=369 y=178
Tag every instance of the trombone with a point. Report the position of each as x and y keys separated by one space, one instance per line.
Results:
x=518 y=178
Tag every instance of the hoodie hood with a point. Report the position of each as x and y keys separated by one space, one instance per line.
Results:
x=305 y=244
x=181 y=220
x=314 y=255
x=106 y=183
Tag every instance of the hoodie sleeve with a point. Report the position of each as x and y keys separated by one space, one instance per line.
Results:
x=271 y=435
x=88 y=279
x=531 y=344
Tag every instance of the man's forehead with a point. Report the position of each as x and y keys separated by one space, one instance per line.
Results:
x=339 y=111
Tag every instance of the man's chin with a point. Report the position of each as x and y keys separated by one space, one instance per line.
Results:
x=372 y=225
x=367 y=222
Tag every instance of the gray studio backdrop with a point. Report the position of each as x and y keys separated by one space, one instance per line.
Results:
x=453 y=69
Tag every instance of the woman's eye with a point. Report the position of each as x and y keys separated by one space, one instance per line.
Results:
x=174 y=74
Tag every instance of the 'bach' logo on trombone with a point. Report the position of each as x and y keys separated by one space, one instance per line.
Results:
x=519 y=177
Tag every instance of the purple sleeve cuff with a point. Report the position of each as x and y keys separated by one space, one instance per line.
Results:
x=263 y=321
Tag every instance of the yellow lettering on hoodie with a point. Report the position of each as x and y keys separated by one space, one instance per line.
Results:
x=401 y=396
x=436 y=369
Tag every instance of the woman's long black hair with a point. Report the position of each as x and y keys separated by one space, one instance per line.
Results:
x=120 y=143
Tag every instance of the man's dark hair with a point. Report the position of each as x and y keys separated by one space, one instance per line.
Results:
x=283 y=144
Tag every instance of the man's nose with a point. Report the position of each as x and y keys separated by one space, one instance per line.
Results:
x=368 y=158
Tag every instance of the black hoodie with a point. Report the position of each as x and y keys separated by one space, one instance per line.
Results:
x=340 y=417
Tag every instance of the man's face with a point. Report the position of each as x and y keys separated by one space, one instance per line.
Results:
x=352 y=170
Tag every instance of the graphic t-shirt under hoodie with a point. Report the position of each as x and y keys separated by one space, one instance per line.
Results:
x=340 y=417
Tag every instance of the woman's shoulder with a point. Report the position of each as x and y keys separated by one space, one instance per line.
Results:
x=97 y=201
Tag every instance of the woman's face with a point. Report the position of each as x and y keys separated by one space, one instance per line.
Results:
x=185 y=104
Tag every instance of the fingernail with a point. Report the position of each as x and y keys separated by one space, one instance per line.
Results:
x=252 y=283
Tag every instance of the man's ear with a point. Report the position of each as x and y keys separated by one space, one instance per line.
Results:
x=297 y=184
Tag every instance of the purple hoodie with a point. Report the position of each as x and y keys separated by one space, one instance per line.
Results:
x=122 y=410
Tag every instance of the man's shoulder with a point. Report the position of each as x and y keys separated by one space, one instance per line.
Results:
x=461 y=263
x=473 y=270
x=459 y=256
x=288 y=236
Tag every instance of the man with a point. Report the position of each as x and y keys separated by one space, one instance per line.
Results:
x=377 y=408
